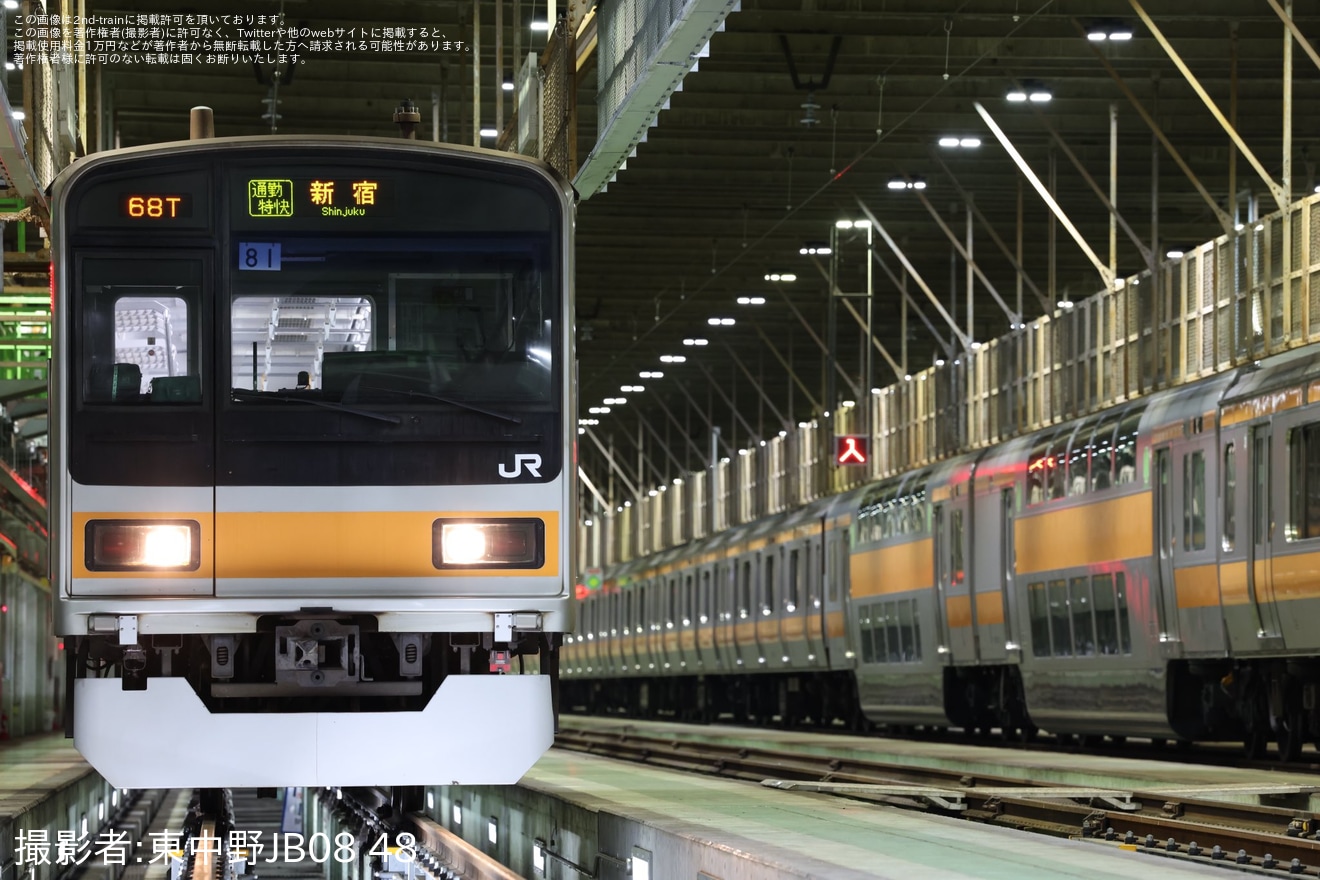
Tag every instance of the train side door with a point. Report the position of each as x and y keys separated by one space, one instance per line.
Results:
x=1165 y=597
x=1260 y=560
x=1008 y=567
x=942 y=576
x=813 y=612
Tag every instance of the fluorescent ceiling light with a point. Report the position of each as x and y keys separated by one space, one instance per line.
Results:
x=489 y=133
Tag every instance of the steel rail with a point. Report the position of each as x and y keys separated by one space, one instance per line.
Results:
x=1174 y=822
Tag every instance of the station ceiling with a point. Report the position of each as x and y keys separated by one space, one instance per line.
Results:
x=803 y=112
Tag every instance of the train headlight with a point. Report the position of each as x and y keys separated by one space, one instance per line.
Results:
x=488 y=543
x=143 y=545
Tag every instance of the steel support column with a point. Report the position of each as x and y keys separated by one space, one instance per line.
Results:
x=733 y=407
x=989 y=228
x=710 y=425
x=788 y=367
x=614 y=466
x=1113 y=192
x=1275 y=189
x=972 y=267
x=682 y=429
x=912 y=303
x=755 y=384
x=862 y=322
x=1224 y=220
x=916 y=276
x=825 y=349
x=476 y=73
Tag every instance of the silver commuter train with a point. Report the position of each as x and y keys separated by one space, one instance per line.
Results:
x=1153 y=570
x=311 y=430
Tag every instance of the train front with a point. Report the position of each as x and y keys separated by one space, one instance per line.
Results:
x=311 y=406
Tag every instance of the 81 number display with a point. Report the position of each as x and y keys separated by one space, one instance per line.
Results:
x=259 y=256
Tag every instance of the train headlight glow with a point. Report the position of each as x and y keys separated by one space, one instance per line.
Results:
x=143 y=545
x=463 y=544
x=492 y=543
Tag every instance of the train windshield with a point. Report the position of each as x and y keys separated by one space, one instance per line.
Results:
x=393 y=321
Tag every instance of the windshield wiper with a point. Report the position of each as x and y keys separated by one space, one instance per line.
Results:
x=462 y=404
x=244 y=394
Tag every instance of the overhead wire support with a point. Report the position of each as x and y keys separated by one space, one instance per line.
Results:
x=1276 y=190
x=1101 y=268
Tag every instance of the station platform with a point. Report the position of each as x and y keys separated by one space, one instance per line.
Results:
x=45 y=785
x=599 y=816
x=1209 y=781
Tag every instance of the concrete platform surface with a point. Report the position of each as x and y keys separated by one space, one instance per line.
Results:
x=692 y=825
x=1202 y=781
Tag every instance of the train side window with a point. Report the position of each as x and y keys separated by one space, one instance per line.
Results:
x=1124 y=625
x=1038 y=470
x=1125 y=449
x=1083 y=623
x=1057 y=472
x=812 y=576
x=1187 y=502
x=1079 y=462
x=1304 y=483
x=706 y=609
x=1106 y=616
x=729 y=571
x=1230 y=497
x=689 y=601
x=839 y=567
x=905 y=628
x=957 y=570
x=1060 y=620
x=893 y=640
x=1194 y=501
x=791 y=598
x=1102 y=457
x=768 y=598
x=916 y=630
x=672 y=614
x=866 y=632
x=745 y=591
x=1040 y=620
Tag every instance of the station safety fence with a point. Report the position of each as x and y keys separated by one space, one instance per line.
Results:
x=1239 y=298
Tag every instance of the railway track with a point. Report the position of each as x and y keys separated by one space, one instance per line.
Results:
x=1182 y=823
x=398 y=844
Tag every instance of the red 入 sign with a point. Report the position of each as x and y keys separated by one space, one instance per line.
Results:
x=852 y=449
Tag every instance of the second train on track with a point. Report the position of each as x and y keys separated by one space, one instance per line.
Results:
x=1153 y=570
